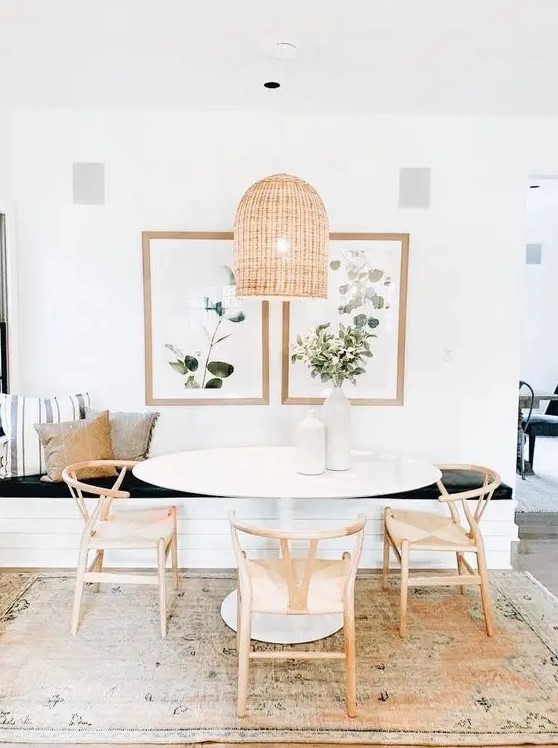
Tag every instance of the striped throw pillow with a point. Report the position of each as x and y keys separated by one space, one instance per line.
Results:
x=18 y=416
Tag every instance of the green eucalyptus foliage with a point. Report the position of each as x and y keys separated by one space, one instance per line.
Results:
x=191 y=363
x=179 y=366
x=191 y=383
x=190 y=366
x=177 y=352
x=214 y=306
x=220 y=369
x=358 y=290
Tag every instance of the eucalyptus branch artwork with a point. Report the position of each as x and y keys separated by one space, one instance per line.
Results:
x=205 y=371
x=361 y=287
x=204 y=345
x=364 y=314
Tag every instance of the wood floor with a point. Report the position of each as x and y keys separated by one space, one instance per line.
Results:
x=536 y=552
x=244 y=745
x=237 y=745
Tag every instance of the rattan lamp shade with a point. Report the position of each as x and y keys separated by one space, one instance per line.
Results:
x=281 y=238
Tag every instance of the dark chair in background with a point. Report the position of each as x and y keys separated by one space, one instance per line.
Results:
x=542 y=425
x=523 y=425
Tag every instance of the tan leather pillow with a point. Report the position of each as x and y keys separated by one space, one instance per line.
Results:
x=75 y=441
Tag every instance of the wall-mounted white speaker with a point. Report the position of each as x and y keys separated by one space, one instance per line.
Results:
x=414 y=187
x=88 y=183
x=533 y=254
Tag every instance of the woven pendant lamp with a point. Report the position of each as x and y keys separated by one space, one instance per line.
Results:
x=281 y=238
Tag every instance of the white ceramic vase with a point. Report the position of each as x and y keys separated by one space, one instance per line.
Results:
x=337 y=419
x=310 y=445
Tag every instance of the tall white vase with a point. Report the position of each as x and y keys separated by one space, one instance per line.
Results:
x=337 y=419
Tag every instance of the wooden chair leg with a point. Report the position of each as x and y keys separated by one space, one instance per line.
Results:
x=485 y=592
x=161 y=564
x=243 y=659
x=78 y=594
x=98 y=567
x=350 y=660
x=238 y=608
x=174 y=560
x=404 y=587
x=460 y=570
x=385 y=565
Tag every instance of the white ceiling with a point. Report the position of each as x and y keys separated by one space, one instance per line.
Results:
x=382 y=56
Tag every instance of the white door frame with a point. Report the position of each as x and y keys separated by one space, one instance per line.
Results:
x=7 y=208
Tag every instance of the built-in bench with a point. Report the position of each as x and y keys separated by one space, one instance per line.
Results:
x=40 y=525
x=32 y=486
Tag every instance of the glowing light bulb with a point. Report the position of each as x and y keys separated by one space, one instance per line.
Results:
x=282 y=245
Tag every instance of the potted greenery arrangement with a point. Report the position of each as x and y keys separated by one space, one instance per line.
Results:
x=336 y=357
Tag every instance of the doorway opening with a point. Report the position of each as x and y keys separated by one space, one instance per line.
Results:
x=537 y=485
x=4 y=367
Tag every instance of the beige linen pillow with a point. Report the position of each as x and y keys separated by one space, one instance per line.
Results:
x=130 y=433
x=75 y=441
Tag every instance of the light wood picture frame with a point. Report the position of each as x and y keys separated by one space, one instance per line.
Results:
x=382 y=297
x=203 y=344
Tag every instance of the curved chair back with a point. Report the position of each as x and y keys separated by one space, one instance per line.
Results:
x=104 y=496
x=552 y=407
x=490 y=482
x=299 y=576
x=524 y=422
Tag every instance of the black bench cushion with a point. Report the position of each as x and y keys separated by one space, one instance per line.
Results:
x=32 y=487
x=456 y=481
x=543 y=425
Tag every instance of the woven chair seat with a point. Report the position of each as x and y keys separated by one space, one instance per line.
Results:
x=429 y=532
x=134 y=529
x=270 y=586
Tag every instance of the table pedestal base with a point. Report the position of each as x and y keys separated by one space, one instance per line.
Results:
x=283 y=629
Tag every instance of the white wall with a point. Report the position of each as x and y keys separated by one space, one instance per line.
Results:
x=539 y=299
x=5 y=157
x=80 y=276
x=80 y=284
x=7 y=208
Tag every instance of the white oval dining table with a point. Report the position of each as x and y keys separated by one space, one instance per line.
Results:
x=268 y=472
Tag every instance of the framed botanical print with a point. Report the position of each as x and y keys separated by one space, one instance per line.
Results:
x=367 y=288
x=203 y=344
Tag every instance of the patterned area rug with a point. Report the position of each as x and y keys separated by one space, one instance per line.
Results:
x=117 y=681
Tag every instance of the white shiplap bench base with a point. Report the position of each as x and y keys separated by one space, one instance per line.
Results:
x=39 y=532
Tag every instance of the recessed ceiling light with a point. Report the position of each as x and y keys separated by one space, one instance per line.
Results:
x=272 y=84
